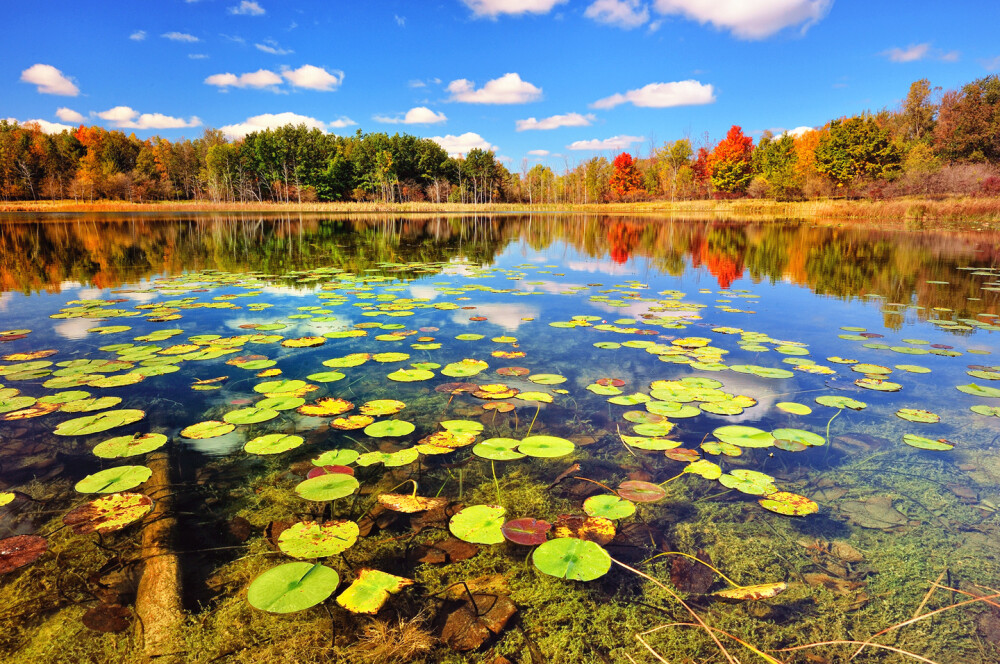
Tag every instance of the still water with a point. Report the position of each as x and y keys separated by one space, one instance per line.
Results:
x=458 y=439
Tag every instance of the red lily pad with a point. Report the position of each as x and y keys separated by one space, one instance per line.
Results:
x=329 y=470
x=527 y=531
x=641 y=492
x=20 y=550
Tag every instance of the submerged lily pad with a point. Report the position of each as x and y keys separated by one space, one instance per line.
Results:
x=571 y=558
x=292 y=587
x=641 y=492
x=21 y=550
x=478 y=524
x=752 y=593
x=526 y=531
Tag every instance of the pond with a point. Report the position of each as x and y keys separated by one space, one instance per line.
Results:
x=509 y=438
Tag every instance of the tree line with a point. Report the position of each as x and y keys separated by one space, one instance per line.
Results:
x=931 y=144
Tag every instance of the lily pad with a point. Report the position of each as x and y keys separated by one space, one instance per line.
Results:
x=108 y=513
x=380 y=407
x=836 y=401
x=126 y=446
x=83 y=426
x=800 y=436
x=207 y=429
x=20 y=550
x=526 y=531
x=744 y=436
x=752 y=593
x=389 y=428
x=251 y=415
x=749 y=481
x=498 y=449
x=326 y=407
x=478 y=524
x=980 y=390
x=571 y=558
x=327 y=487
x=272 y=443
x=310 y=539
x=370 y=591
x=292 y=587
x=918 y=415
x=789 y=504
x=641 y=492
x=545 y=447
x=336 y=458
x=922 y=443
x=609 y=506
x=793 y=408
x=113 y=480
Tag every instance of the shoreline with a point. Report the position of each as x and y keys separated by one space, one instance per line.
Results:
x=914 y=211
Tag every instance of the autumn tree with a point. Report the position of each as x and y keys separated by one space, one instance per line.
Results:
x=730 y=162
x=774 y=159
x=856 y=148
x=626 y=181
x=968 y=123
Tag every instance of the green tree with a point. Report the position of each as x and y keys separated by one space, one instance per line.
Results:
x=856 y=148
x=775 y=160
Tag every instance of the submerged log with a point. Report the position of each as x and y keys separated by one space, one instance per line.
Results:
x=158 y=600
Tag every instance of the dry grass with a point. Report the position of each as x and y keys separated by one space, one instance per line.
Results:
x=384 y=642
x=954 y=209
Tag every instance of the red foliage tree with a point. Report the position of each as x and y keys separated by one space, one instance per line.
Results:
x=626 y=180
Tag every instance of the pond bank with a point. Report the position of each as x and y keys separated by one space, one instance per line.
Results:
x=965 y=210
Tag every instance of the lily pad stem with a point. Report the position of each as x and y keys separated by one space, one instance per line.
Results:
x=828 y=443
x=537 y=410
x=495 y=483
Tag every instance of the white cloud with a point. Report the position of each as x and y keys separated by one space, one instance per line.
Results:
x=613 y=143
x=69 y=115
x=950 y=56
x=124 y=117
x=138 y=35
x=538 y=153
x=180 y=37
x=911 y=53
x=197 y=56
x=341 y=122
x=271 y=121
x=991 y=64
x=46 y=126
x=508 y=89
x=456 y=145
x=798 y=131
x=400 y=20
x=314 y=78
x=262 y=78
x=556 y=121
x=233 y=38
x=418 y=115
x=494 y=8
x=247 y=8
x=749 y=20
x=272 y=47
x=50 y=81
x=662 y=95
x=626 y=14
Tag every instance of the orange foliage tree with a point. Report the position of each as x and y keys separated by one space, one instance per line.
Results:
x=730 y=162
x=626 y=180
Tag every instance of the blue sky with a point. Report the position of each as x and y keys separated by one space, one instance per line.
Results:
x=550 y=80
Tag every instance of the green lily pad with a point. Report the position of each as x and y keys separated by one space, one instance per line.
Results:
x=980 y=390
x=389 y=428
x=789 y=504
x=545 y=447
x=743 y=436
x=206 y=429
x=547 y=379
x=336 y=458
x=462 y=426
x=762 y=372
x=279 y=387
x=609 y=506
x=464 y=368
x=672 y=409
x=749 y=481
x=571 y=558
x=918 y=415
x=126 y=446
x=988 y=411
x=61 y=397
x=310 y=539
x=326 y=377
x=113 y=480
x=390 y=460
x=478 y=524
x=793 y=408
x=800 y=436
x=410 y=375
x=836 y=401
x=370 y=591
x=253 y=415
x=273 y=443
x=704 y=468
x=83 y=426
x=280 y=403
x=498 y=449
x=292 y=587
x=16 y=403
x=927 y=443
x=327 y=487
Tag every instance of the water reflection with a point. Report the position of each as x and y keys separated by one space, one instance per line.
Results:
x=844 y=262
